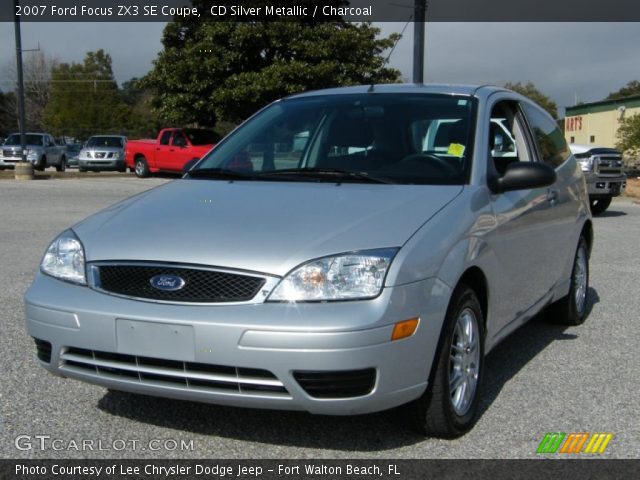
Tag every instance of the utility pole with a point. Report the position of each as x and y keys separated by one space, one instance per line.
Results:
x=419 y=13
x=23 y=137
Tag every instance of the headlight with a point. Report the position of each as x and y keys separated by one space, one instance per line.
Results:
x=347 y=276
x=32 y=154
x=586 y=164
x=65 y=259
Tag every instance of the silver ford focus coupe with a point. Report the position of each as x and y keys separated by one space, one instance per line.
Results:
x=343 y=251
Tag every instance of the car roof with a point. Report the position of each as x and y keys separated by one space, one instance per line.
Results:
x=433 y=88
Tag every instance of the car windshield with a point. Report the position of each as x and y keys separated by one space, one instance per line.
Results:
x=31 y=140
x=201 y=137
x=105 y=142
x=386 y=138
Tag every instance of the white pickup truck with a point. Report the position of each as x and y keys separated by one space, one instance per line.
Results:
x=602 y=168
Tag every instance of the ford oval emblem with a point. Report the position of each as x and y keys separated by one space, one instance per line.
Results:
x=168 y=283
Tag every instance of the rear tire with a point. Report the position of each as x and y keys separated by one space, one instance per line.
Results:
x=141 y=167
x=572 y=308
x=449 y=407
x=62 y=166
x=599 y=205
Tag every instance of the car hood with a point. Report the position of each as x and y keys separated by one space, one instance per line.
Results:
x=103 y=149
x=268 y=227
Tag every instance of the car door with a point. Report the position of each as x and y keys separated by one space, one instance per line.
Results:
x=180 y=151
x=163 y=148
x=51 y=150
x=523 y=223
x=552 y=149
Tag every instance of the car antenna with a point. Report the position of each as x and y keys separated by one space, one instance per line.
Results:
x=386 y=60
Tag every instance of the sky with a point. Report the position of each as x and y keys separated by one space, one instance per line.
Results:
x=566 y=61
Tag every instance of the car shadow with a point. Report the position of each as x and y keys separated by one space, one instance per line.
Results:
x=373 y=432
x=611 y=213
x=511 y=355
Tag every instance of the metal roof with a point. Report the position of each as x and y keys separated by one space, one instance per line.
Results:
x=603 y=105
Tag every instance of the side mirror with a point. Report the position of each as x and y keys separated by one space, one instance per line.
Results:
x=187 y=166
x=523 y=176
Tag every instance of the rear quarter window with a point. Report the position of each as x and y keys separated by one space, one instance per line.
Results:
x=547 y=135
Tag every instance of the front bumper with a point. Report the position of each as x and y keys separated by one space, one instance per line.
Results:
x=99 y=164
x=156 y=342
x=9 y=162
x=605 y=186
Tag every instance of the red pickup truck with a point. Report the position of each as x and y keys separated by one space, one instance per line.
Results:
x=173 y=148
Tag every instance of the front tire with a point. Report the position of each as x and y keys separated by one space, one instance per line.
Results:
x=141 y=167
x=449 y=407
x=572 y=308
x=599 y=205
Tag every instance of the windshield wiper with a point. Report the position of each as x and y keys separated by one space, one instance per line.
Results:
x=335 y=174
x=220 y=173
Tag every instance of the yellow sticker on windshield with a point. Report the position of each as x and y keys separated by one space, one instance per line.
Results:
x=456 y=149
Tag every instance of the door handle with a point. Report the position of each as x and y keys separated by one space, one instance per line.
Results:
x=552 y=196
x=171 y=150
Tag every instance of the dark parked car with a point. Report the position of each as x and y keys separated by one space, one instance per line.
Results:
x=73 y=151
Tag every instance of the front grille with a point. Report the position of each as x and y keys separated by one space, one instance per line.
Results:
x=43 y=350
x=99 y=154
x=173 y=373
x=337 y=384
x=11 y=153
x=609 y=165
x=610 y=171
x=200 y=286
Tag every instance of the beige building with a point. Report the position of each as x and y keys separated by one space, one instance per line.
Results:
x=597 y=123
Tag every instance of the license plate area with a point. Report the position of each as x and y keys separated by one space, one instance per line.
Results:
x=157 y=340
x=614 y=188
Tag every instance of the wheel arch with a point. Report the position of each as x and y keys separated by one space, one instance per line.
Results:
x=587 y=233
x=475 y=279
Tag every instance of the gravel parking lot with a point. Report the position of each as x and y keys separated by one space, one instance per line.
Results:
x=544 y=378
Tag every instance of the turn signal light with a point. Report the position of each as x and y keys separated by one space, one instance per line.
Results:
x=405 y=328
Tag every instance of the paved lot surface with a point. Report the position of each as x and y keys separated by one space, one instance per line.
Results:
x=543 y=378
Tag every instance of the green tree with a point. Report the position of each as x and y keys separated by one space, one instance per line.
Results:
x=143 y=120
x=211 y=70
x=629 y=135
x=630 y=89
x=8 y=116
x=531 y=91
x=84 y=99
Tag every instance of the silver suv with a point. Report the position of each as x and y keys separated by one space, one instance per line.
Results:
x=343 y=251
x=103 y=152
